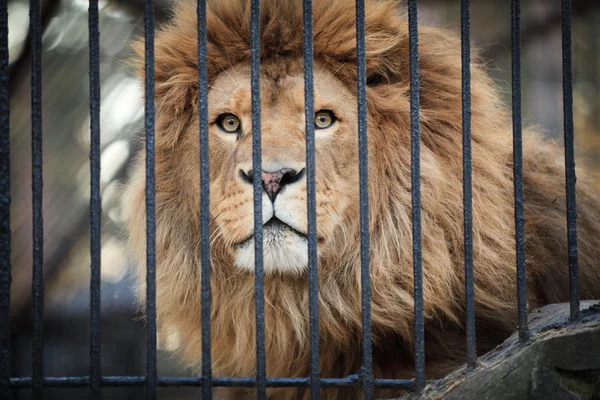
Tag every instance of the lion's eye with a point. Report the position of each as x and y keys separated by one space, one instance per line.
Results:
x=229 y=123
x=324 y=119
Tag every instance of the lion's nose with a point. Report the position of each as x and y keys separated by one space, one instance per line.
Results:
x=273 y=182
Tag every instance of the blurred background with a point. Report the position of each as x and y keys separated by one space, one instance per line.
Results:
x=65 y=64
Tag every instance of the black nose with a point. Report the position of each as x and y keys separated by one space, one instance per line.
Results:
x=273 y=182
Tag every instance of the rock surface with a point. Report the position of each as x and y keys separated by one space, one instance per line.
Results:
x=561 y=361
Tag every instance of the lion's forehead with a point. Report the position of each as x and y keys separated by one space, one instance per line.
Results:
x=281 y=87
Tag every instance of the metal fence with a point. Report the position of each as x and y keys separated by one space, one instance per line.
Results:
x=365 y=380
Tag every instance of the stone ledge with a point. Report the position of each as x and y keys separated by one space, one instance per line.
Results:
x=561 y=361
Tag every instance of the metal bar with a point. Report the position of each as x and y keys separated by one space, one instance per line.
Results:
x=259 y=292
x=311 y=200
x=570 y=158
x=204 y=199
x=594 y=36
x=416 y=194
x=151 y=373
x=249 y=382
x=95 y=200
x=35 y=30
x=518 y=170
x=465 y=32
x=5 y=235
x=365 y=251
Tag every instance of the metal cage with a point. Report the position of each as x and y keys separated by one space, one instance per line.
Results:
x=365 y=380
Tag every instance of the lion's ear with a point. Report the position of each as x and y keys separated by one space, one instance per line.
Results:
x=386 y=40
x=175 y=75
x=385 y=60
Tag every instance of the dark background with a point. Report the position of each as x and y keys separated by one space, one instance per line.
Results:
x=66 y=163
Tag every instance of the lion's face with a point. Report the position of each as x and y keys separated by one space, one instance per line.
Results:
x=284 y=200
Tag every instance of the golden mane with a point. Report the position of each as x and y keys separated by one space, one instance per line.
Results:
x=286 y=298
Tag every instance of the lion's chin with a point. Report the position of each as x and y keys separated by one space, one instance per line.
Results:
x=287 y=253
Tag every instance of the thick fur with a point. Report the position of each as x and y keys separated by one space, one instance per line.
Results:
x=286 y=296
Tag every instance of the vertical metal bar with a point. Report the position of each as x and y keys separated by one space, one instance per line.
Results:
x=259 y=292
x=570 y=158
x=594 y=36
x=151 y=375
x=465 y=31
x=518 y=169
x=311 y=199
x=365 y=251
x=415 y=151
x=95 y=200
x=35 y=30
x=204 y=200
x=5 y=236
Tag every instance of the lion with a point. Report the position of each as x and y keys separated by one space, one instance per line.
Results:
x=285 y=204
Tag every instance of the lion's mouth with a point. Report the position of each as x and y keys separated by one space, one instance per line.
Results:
x=273 y=229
